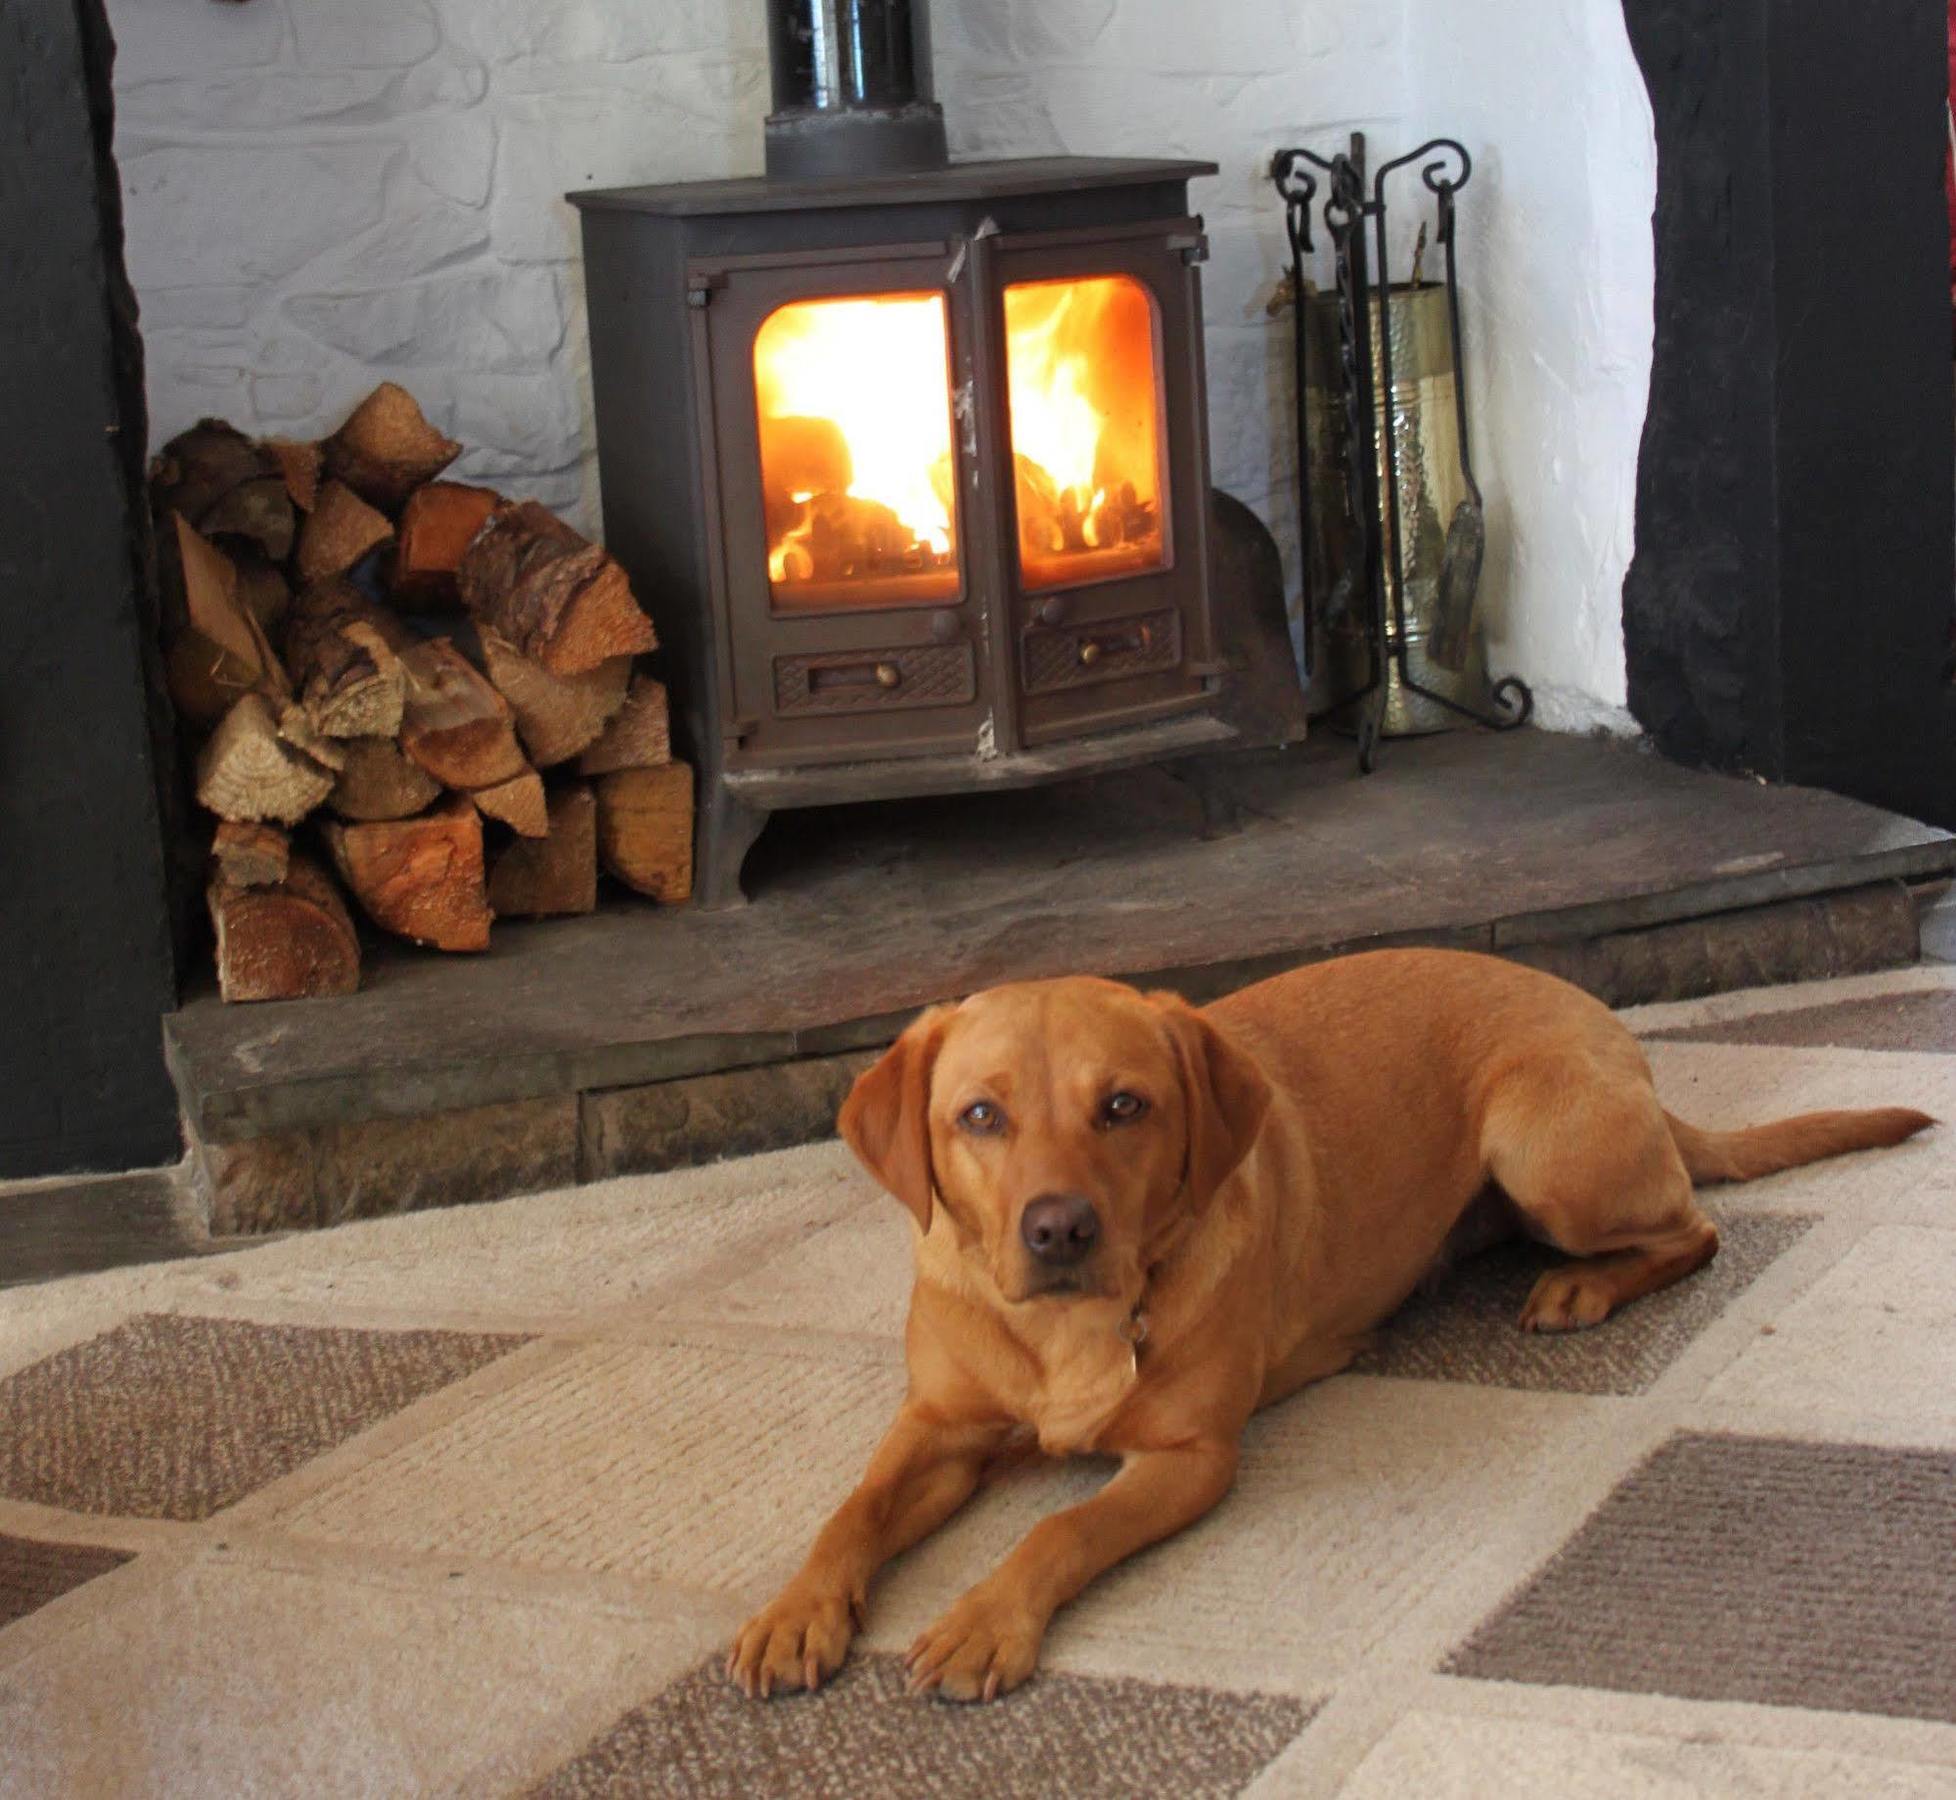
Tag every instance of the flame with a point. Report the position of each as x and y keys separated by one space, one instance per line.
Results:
x=854 y=400
x=857 y=471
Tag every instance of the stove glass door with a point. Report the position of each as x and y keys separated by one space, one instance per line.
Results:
x=858 y=484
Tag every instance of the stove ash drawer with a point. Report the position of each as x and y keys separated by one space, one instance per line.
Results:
x=1075 y=656
x=861 y=681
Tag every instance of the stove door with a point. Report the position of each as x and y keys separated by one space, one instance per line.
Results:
x=1106 y=434
x=846 y=618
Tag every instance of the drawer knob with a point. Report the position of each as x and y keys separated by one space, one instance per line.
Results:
x=1052 y=611
x=944 y=626
x=1090 y=651
x=888 y=675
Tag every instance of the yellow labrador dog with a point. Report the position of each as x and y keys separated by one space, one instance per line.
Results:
x=1137 y=1222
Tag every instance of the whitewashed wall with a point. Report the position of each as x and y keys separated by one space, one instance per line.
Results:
x=1556 y=245
x=324 y=192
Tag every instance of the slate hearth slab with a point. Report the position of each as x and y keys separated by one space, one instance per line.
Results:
x=33 y=1573
x=862 y=915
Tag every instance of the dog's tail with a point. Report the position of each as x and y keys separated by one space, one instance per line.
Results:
x=1757 y=1150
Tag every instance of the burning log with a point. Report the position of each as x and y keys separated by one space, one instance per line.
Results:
x=551 y=594
x=289 y=939
x=645 y=829
x=387 y=449
x=557 y=873
x=419 y=878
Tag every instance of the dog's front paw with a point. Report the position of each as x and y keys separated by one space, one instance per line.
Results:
x=798 y=1642
x=1567 y=1299
x=983 y=1647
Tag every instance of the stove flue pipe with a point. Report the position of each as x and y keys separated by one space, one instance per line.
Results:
x=852 y=90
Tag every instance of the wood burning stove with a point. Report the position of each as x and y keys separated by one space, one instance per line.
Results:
x=908 y=458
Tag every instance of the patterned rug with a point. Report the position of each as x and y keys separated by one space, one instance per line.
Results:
x=468 y=1503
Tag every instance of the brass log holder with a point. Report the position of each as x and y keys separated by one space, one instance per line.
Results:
x=1388 y=590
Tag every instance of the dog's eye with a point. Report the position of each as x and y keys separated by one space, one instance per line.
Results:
x=982 y=1117
x=1122 y=1108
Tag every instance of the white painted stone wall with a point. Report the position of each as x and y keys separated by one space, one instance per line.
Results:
x=1556 y=248
x=320 y=193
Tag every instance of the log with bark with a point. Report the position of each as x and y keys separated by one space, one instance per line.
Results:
x=455 y=725
x=218 y=652
x=257 y=765
x=249 y=855
x=341 y=652
x=198 y=467
x=262 y=590
x=337 y=533
x=420 y=878
x=387 y=449
x=556 y=874
x=645 y=829
x=289 y=939
x=556 y=715
x=551 y=594
x=380 y=782
x=640 y=736
x=436 y=527
x=299 y=466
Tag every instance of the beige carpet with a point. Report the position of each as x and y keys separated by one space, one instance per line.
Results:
x=468 y=1502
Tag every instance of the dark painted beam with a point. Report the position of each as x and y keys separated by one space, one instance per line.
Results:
x=87 y=969
x=1789 y=607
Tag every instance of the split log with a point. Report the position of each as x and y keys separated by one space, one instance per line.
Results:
x=263 y=592
x=554 y=875
x=198 y=467
x=556 y=715
x=250 y=769
x=248 y=856
x=217 y=651
x=340 y=529
x=639 y=738
x=518 y=803
x=645 y=829
x=299 y=466
x=419 y=878
x=437 y=524
x=340 y=653
x=286 y=940
x=387 y=449
x=556 y=597
x=259 y=510
x=379 y=782
x=455 y=725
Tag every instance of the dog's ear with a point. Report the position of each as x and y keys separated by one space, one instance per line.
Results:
x=886 y=1118
x=1225 y=1096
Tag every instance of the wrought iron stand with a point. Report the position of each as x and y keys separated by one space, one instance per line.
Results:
x=1370 y=438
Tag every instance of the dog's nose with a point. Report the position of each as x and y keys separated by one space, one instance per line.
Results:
x=1060 y=1229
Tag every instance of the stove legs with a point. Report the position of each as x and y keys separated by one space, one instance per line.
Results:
x=727 y=830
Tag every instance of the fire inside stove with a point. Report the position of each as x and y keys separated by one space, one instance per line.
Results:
x=857 y=470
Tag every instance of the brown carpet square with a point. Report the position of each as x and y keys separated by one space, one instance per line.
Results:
x=1753 y=1569
x=1920 y=1022
x=175 y=1417
x=33 y=1573
x=1465 y=1330
x=1060 y=1734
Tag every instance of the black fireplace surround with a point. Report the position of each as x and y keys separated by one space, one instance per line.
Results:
x=1788 y=611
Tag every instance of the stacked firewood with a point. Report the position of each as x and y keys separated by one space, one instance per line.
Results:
x=415 y=685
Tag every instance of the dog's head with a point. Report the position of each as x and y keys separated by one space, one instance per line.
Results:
x=1064 y=1128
